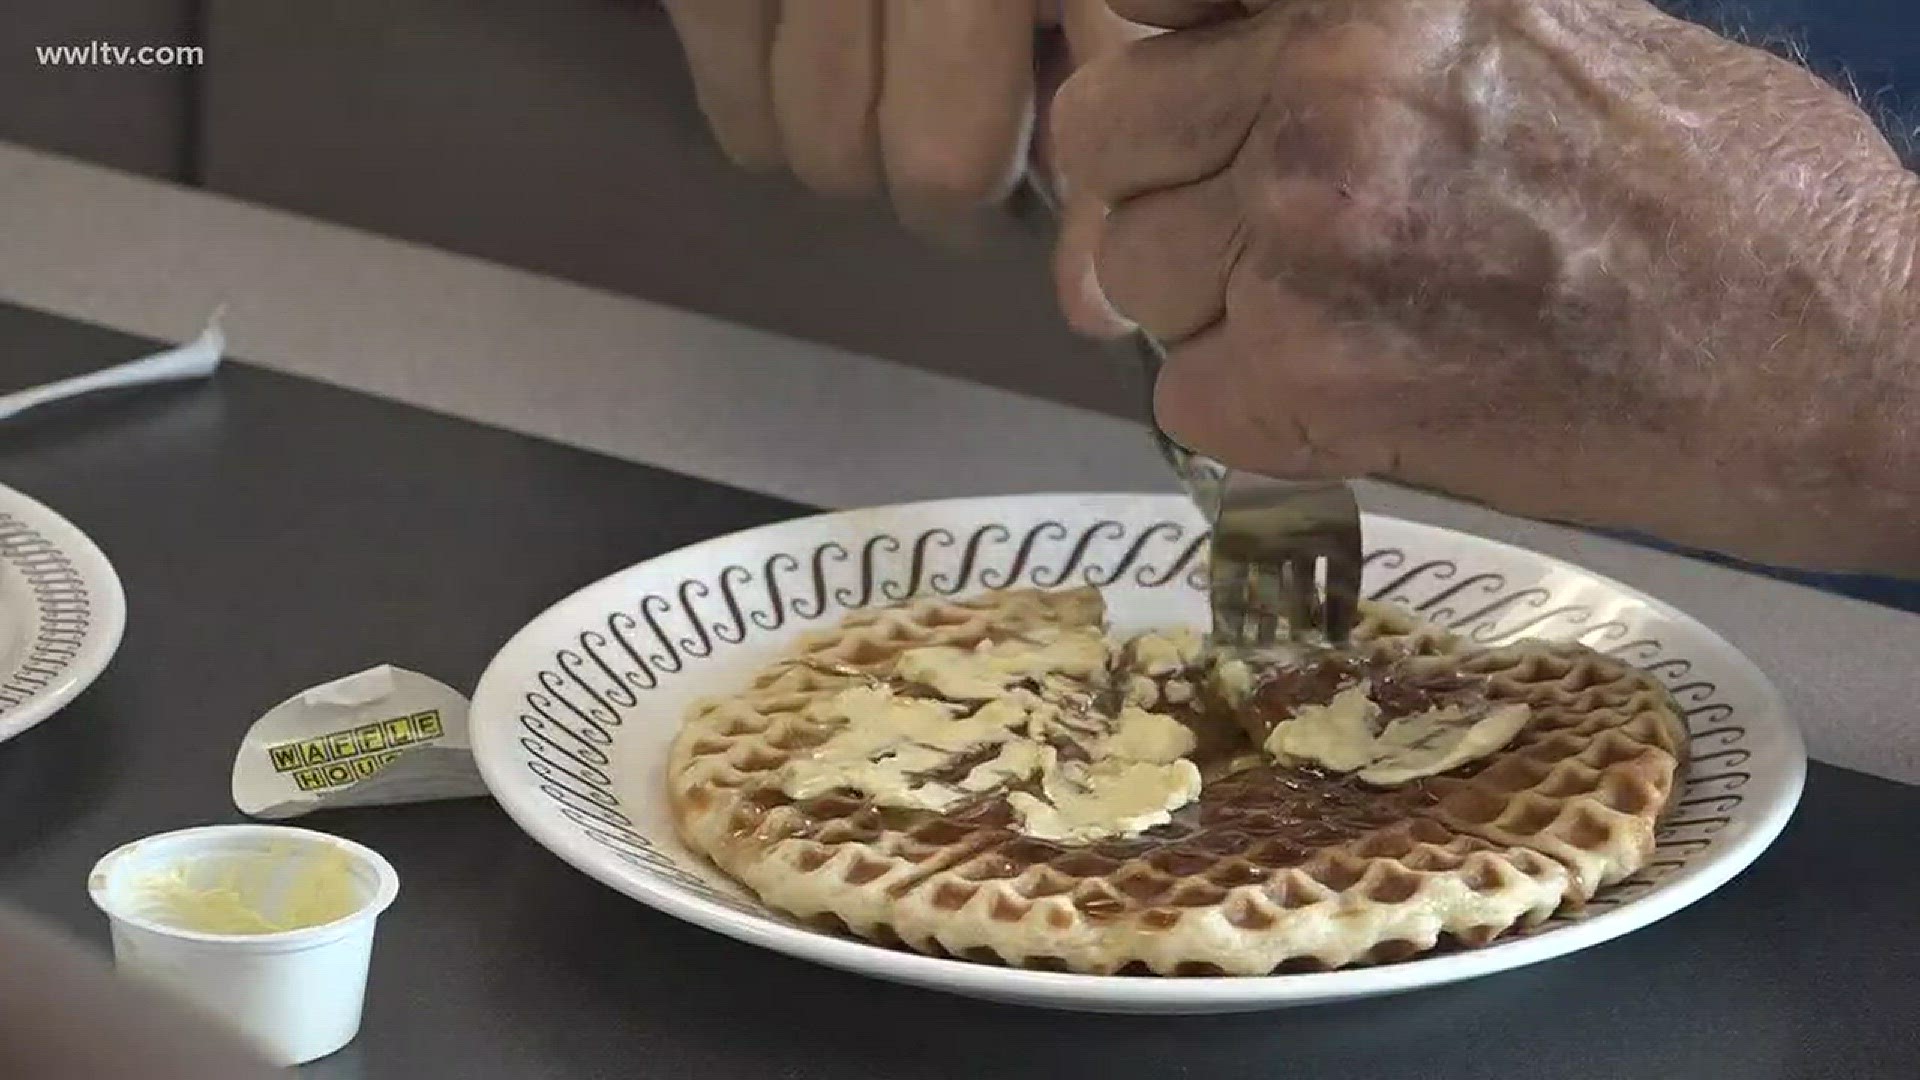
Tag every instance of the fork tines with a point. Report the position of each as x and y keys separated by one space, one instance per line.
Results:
x=1286 y=562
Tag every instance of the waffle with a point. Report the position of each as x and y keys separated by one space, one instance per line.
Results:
x=1272 y=870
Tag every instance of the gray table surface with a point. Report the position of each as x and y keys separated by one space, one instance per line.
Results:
x=274 y=532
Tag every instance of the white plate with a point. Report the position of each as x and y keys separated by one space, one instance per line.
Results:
x=61 y=612
x=572 y=720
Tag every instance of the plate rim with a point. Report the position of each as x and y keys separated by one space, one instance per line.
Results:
x=107 y=598
x=1119 y=993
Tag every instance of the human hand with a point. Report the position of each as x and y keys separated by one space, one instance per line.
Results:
x=1573 y=258
x=930 y=101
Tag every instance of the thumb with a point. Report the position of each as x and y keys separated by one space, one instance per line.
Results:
x=1093 y=29
x=1081 y=299
x=1265 y=411
x=1180 y=14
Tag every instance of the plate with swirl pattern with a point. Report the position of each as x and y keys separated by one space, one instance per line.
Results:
x=572 y=721
x=61 y=612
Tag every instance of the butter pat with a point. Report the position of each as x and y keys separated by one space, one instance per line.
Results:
x=1139 y=735
x=1015 y=761
x=1087 y=802
x=986 y=672
x=1345 y=735
x=1233 y=681
x=1165 y=652
x=1434 y=742
x=885 y=743
x=1004 y=713
x=1337 y=735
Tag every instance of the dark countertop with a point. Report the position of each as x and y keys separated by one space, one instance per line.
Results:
x=273 y=533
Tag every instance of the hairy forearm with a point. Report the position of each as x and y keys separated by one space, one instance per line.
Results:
x=1878 y=397
x=1849 y=405
x=1780 y=369
x=1858 y=482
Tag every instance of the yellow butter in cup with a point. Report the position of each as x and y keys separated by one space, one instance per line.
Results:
x=283 y=888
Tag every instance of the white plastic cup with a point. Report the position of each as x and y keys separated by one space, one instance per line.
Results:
x=295 y=994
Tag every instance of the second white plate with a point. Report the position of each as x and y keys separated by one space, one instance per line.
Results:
x=62 y=612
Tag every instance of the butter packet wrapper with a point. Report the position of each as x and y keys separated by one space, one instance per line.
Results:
x=377 y=738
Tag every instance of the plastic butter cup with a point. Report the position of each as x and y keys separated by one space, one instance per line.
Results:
x=268 y=928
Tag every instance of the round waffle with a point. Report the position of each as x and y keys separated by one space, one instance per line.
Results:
x=1272 y=869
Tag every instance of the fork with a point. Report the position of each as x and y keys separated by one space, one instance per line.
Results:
x=1285 y=554
x=1286 y=561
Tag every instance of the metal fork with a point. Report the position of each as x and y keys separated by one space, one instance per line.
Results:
x=1286 y=562
x=1286 y=555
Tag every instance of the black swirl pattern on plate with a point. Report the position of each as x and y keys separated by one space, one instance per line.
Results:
x=63 y=610
x=570 y=723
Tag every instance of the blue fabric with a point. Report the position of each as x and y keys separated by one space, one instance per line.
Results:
x=1904 y=595
x=1875 y=44
x=1891 y=592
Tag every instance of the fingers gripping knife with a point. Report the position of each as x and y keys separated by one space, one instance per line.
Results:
x=1286 y=555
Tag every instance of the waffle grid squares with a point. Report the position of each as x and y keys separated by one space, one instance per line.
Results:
x=1568 y=808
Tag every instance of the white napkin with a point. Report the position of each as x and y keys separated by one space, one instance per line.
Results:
x=197 y=359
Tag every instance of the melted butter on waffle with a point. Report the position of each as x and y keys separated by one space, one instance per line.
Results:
x=988 y=670
x=1350 y=734
x=1083 y=801
x=885 y=745
x=1016 y=717
x=1387 y=719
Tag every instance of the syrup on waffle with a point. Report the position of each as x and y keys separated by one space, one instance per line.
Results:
x=1271 y=869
